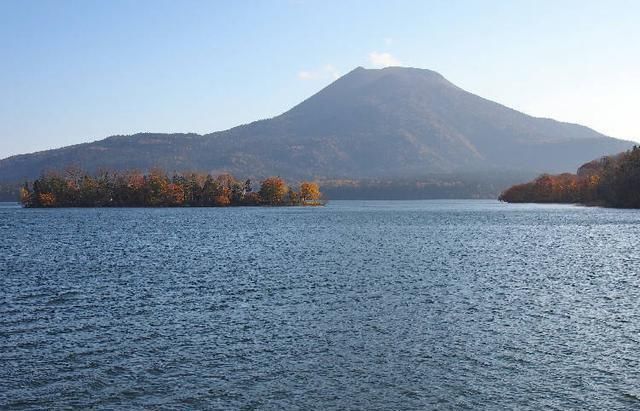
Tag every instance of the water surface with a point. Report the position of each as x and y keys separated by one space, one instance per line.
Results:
x=357 y=305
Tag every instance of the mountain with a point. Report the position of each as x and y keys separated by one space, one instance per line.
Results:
x=391 y=123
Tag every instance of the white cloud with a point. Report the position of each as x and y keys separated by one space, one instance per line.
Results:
x=328 y=71
x=381 y=60
x=305 y=75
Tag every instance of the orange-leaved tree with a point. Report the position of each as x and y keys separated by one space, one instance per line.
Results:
x=309 y=191
x=273 y=191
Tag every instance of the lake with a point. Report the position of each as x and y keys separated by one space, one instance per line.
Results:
x=357 y=305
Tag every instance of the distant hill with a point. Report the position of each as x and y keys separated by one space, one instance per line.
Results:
x=392 y=123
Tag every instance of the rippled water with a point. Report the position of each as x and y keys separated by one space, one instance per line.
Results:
x=358 y=305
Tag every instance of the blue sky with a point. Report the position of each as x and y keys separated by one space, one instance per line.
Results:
x=77 y=71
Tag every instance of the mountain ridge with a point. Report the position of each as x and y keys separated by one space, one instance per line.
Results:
x=395 y=122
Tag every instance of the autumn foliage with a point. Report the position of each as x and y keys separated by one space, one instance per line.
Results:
x=274 y=191
x=610 y=181
x=74 y=188
x=310 y=192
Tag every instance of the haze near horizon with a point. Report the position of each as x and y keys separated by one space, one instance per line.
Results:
x=75 y=72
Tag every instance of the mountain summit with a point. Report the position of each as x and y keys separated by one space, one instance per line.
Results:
x=394 y=122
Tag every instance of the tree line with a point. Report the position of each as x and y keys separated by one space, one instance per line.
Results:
x=612 y=181
x=75 y=188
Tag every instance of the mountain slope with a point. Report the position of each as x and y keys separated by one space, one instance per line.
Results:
x=388 y=123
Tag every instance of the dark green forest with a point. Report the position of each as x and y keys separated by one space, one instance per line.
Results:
x=610 y=181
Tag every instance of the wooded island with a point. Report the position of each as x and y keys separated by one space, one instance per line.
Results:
x=612 y=181
x=75 y=188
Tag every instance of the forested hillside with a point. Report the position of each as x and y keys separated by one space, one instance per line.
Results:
x=612 y=181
